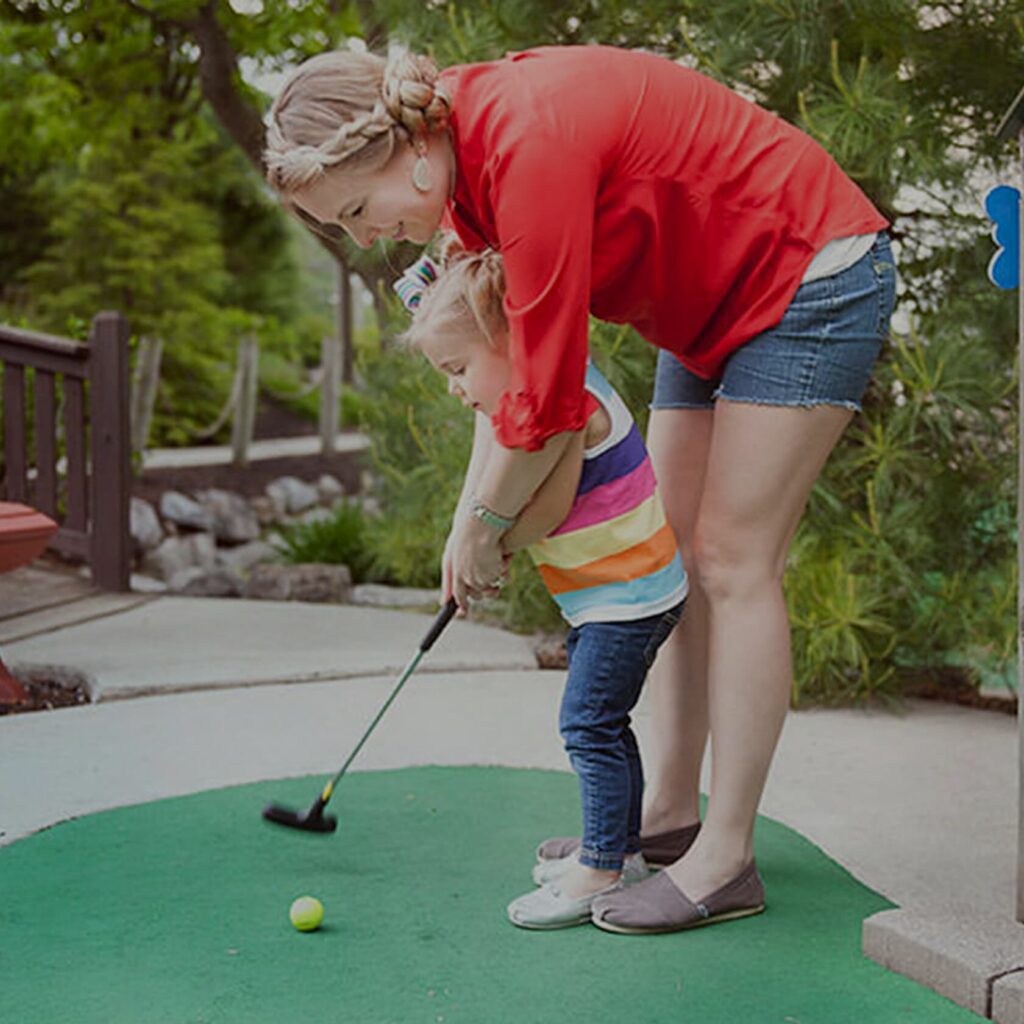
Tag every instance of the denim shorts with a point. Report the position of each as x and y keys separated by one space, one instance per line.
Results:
x=821 y=352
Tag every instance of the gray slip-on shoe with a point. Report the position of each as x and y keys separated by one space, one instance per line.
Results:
x=659 y=849
x=634 y=869
x=545 y=909
x=657 y=905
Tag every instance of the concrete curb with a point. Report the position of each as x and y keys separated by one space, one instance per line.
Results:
x=1008 y=999
x=976 y=960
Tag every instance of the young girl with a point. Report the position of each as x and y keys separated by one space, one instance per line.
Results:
x=598 y=534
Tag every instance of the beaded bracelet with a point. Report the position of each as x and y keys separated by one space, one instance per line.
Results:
x=491 y=518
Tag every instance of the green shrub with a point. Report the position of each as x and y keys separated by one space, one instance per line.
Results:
x=340 y=539
x=420 y=442
x=905 y=561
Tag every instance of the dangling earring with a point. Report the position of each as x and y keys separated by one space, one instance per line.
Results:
x=421 y=178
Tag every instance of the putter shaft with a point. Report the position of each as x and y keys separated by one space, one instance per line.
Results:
x=314 y=820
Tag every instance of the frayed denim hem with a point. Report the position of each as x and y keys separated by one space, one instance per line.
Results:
x=796 y=403
x=800 y=403
x=700 y=406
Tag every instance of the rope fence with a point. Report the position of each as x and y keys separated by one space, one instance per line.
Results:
x=240 y=406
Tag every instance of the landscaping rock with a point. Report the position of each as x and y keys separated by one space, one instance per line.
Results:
x=315 y=515
x=312 y=582
x=144 y=523
x=242 y=559
x=234 y=521
x=370 y=506
x=330 y=489
x=196 y=582
x=379 y=595
x=266 y=510
x=141 y=584
x=177 y=553
x=292 y=494
x=182 y=510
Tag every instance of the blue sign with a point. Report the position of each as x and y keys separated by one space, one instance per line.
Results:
x=1002 y=204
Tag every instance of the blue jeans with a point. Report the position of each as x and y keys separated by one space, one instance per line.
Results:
x=821 y=352
x=608 y=662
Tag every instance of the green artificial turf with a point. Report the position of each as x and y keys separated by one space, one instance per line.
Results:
x=177 y=912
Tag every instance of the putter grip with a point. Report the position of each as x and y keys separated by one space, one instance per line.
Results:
x=444 y=616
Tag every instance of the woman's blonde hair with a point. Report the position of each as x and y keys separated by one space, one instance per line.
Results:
x=467 y=297
x=350 y=107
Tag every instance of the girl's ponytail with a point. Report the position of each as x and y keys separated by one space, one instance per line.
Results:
x=467 y=295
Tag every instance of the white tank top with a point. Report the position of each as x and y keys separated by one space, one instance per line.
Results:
x=839 y=254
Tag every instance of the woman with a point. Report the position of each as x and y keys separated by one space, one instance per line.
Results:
x=623 y=185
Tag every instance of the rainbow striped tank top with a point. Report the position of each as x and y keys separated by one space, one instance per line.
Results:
x=614 y=558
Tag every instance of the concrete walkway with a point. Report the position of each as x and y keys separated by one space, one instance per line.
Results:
x=191 y=694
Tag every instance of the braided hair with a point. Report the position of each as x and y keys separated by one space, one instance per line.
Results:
x=350 y=107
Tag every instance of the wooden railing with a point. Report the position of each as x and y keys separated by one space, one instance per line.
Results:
x=90 y=498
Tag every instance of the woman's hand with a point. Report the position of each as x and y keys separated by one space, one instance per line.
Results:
x=472 y=565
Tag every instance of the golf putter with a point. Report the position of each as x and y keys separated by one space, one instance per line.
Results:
x=314 y=820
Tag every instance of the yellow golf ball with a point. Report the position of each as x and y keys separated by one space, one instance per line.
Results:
x=306 y=913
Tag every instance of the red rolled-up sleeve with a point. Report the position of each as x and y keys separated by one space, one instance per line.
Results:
x=544 y=196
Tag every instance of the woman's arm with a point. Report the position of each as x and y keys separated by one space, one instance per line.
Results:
x=508 y=479
x=483 y=442
x=552 y=502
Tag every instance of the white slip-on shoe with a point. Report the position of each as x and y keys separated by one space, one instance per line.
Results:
x=634 y=869
x=545 y=909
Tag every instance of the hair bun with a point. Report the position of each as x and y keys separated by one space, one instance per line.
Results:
x=410 y=94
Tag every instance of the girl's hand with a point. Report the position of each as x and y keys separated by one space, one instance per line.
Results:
x=477 y=564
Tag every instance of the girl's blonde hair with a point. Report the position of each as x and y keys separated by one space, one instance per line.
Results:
x=467 y=297
x=353 y=108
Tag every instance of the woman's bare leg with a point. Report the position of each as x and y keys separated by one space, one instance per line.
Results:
x=678 y=441
x=762 y=464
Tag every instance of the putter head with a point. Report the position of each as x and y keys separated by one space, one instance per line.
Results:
x=314 y=820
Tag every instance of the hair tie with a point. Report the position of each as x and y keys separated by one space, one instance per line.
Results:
x=415 y=281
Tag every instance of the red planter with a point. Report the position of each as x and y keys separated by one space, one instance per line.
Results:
x=24 y=533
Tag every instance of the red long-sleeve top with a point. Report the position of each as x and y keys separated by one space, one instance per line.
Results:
x=624 y=185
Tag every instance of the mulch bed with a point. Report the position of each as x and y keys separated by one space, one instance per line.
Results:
x=45 y=695
x=962 y=693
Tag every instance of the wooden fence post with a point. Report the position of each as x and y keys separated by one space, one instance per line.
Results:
x=110 y=554
x=345 y=323
x=244 y=422
x=144 y=386
x=15 y=434
x=330 y=384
